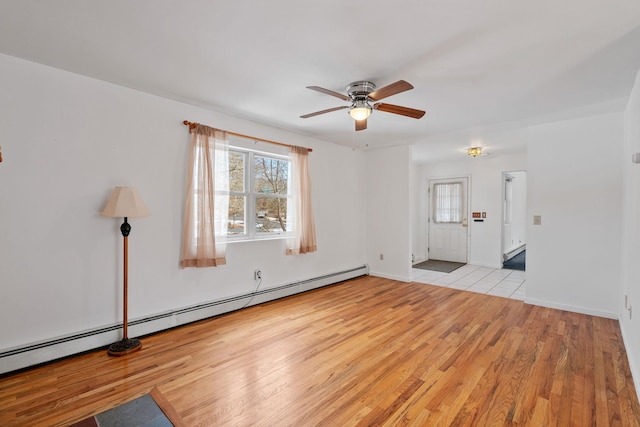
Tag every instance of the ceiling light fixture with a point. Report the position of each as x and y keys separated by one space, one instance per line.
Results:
x=474 y=151
x=360 y=110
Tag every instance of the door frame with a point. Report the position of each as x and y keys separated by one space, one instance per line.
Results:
x=467 y=197
x=503 y=247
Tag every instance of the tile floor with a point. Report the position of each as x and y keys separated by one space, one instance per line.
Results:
x=491 y=281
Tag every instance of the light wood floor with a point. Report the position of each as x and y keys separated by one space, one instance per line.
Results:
x=365 y=352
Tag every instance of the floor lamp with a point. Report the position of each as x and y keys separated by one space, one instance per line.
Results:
x=125 y=202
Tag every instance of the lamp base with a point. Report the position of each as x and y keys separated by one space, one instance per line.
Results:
x=126 y=346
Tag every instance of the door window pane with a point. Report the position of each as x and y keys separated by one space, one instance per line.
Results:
x=447 y=203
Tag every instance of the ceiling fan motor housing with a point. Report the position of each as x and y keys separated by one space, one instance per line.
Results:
x=360 y=89
x=359 y=93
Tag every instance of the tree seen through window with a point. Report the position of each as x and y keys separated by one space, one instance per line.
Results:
x=258 y=194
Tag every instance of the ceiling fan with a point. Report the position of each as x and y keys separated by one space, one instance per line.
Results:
x=361 y=95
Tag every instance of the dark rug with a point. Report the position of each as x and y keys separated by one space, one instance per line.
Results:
x=441 y=266
x=518 y=262
x=150 y=410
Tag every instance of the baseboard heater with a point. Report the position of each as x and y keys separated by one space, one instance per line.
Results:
x=513 y=252
x=46 y=351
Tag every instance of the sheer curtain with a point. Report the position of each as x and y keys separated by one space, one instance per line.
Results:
x=304 y=240
x=207 y=204
x=447 y=203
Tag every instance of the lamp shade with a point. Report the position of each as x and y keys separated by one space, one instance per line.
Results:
x=125 y=202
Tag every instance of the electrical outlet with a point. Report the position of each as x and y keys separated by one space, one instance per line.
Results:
x=258 y=275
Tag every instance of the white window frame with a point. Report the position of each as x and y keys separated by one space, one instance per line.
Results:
x=250 y=195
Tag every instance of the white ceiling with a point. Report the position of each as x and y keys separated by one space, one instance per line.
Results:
x=474 y=64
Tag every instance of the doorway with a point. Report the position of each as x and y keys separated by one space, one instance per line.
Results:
x=514 y=213
x=448 y=201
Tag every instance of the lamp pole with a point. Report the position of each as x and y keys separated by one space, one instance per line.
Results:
x=126 y=345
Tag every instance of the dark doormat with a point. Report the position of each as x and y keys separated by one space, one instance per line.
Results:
x=150 y=410
x=441 y=266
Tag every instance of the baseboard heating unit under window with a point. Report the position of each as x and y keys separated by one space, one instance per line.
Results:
x=45 y=351
x=513 y=252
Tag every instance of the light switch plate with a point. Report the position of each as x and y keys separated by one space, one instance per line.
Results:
x=537 y=220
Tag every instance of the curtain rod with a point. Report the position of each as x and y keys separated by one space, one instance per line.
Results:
x=193 y=125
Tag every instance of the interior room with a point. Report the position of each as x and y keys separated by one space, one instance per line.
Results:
x=534 y=107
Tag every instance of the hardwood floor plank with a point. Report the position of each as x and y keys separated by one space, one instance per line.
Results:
x=369 y=351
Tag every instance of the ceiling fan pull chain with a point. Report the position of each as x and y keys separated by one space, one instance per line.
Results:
x=353 y=141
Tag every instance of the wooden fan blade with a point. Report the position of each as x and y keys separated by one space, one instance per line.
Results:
x=392 y=89
x=397 y=109
x=306 y=116
x=361 y=124
x=329 y=92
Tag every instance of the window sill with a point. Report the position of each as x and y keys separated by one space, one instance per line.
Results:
x=258 y=238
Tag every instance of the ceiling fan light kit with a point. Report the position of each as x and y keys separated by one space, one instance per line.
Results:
x=361 y=94
x=360 y=110
x=360 y=113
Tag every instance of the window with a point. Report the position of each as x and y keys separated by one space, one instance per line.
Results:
x=258 y=194
x=241 y=194
x=447 y=203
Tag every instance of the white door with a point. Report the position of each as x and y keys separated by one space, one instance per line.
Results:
x=448 y=219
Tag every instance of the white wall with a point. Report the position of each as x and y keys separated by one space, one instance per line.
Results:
x=486 y=192
x=575 y=184
x=630 y=321
x=516 y=235
x=388 y=212
x=67 y=140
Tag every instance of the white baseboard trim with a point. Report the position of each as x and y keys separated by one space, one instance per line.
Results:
x=574 y=309
x=32 y=354
x=390 y=276
x=635 y=373
x=496 y=266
